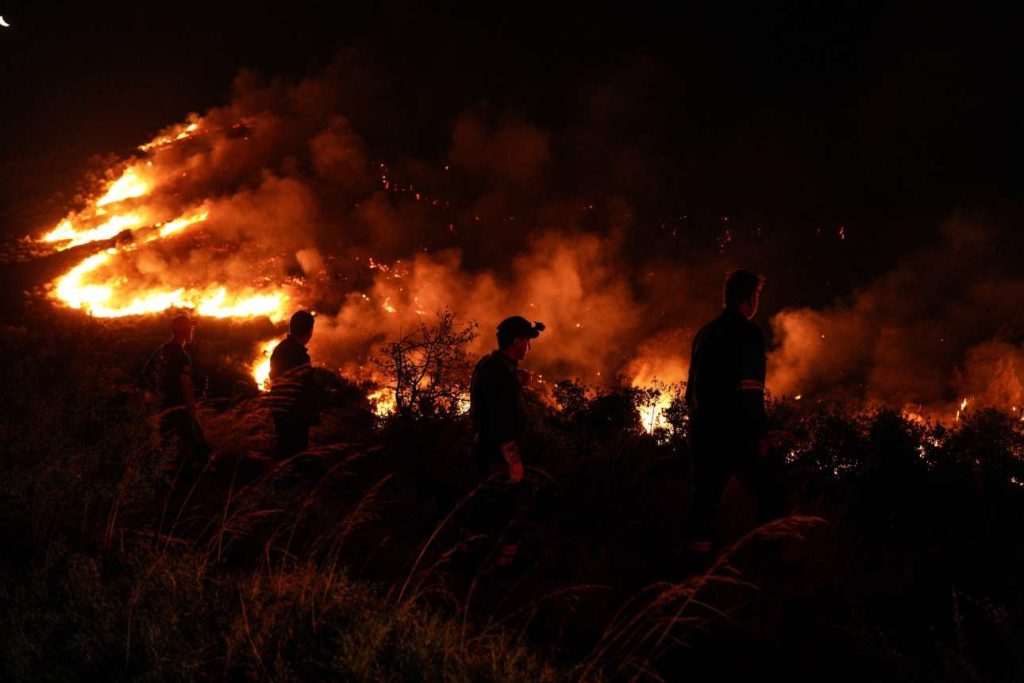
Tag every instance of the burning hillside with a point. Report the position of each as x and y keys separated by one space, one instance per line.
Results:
x=275 y=202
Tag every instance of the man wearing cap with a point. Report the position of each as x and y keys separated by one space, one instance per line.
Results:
x=292 y=400
x=169 y=372
x=725 y=399
x=495 y=406
x=495 y=399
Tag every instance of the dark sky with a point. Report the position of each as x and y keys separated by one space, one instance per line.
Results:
x=873 y=113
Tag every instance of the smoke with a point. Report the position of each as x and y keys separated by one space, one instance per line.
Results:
x=941 y=326
x=570 y=282
x=301 y=190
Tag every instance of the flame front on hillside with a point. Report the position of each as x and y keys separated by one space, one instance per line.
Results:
x=120 y=280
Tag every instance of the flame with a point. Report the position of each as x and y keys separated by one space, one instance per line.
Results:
x=72 y=289
x=652 y=415
x=183 y=134
x=99 y=287
x=179 y=224
x=261 y=367
x=960 y=410
x=127 y=186
x=661 y=371
x=216 y=305
x=383 y=401
x=99 y=300
x=65 y=231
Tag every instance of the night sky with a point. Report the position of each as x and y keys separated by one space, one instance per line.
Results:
x=882 y=117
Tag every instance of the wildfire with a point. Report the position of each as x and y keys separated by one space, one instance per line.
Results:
x=99 y=286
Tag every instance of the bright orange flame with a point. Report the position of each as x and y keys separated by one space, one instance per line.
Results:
x=216 y=305
x=383 y=401
x=66 y=232
x=127 y=186
x=960 y=410
x=261 y=367
x=662 y=373
x=99 y=299
x=71 y=287
x=652 y=415
x=183 y=133
x=179 y=224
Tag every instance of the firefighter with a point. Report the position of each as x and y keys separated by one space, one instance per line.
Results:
x=728 y=426
x=293 y=404
x=496 y=409
x=169 y=372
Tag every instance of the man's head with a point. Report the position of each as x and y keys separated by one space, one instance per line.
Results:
x=182 y=327
x=514 y=335
x=300 y=327
x=742 y=292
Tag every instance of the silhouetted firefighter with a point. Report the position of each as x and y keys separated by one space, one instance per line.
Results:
x=728 y=427
x=496 y=408
x=292 y=400
x=169 y=372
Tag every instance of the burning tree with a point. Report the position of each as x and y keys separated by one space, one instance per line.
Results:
x=427 y=369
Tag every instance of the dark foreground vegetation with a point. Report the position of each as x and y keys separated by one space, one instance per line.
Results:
x=903 y=560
